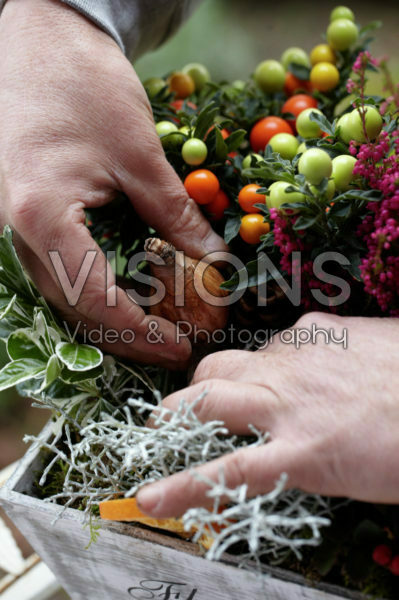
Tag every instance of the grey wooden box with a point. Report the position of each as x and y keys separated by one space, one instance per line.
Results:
x=131 y=561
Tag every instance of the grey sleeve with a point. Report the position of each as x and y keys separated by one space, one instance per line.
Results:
x=136 y=25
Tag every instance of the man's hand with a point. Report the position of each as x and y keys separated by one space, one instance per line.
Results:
x=75 y=126
x=333 y=416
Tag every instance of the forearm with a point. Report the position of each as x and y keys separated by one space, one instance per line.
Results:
x=136 y=25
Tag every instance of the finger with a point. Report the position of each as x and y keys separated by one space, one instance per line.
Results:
x=77 y=326
x=161 y=200
x=59 y=227
x=259 y=368
x=258 y=468
x=238 y=405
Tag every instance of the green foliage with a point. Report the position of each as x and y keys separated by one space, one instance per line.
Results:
x=94 y=527
x=44 y=363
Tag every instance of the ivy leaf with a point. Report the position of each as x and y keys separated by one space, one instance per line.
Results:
x=17 y=371
x=79 y=357
x=232 y=228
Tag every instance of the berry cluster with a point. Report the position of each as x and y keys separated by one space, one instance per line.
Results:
x=383 y=556
x=378 y=164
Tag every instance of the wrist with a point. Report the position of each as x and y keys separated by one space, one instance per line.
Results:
x=54 y=17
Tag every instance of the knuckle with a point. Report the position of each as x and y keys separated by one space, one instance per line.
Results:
x=207 y=406
x=320 y=319
x=238 y=472
x=204 y=369
x=189 y=219
x=219 y=364
x=24 y=212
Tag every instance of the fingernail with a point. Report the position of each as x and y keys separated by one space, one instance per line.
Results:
x=150 y=498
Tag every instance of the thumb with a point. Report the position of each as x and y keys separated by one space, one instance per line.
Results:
x=258 y=468
x=161 y=200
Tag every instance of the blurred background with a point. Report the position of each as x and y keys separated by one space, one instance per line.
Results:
x=231 y=37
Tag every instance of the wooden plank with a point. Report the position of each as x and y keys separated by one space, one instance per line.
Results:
x=38 y=584
x=6 y=473
x=9 y=580
x=11 y=559
x=119 y=565
x=131 y=561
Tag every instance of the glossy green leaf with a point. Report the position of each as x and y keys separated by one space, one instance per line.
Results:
x=300 y=71
x=304 y=221
x=73 y=377
x=221 y=147
x=79 y=357
x=323 y=122
x=21 y=370
x=53 y=370
x=232 y=228
x=205 y=120
x=25 y=343
x=12 y=275
x=235 y=140
x=254 y=273
x=6 y=305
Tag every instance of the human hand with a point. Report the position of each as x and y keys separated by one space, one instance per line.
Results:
x=75 y=126
x=332 y=413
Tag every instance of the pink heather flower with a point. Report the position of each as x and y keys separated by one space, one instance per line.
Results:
x=350 y=86
x=380 y=229
x=289 y=241
x=362 y=60
x=385 y=105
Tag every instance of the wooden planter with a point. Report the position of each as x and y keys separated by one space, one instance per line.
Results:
x=131 y=561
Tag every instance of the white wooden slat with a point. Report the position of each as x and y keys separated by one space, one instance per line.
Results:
x=11 y=559
x=38 y=584
x=7 y=472
x=28 y=579
x=130 y=561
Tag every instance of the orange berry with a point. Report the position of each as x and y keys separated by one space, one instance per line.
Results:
x=215 y=209
x=248 y=197
x=253 y=227
x=202 y=185
x=181 y=85
x=263 y=131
